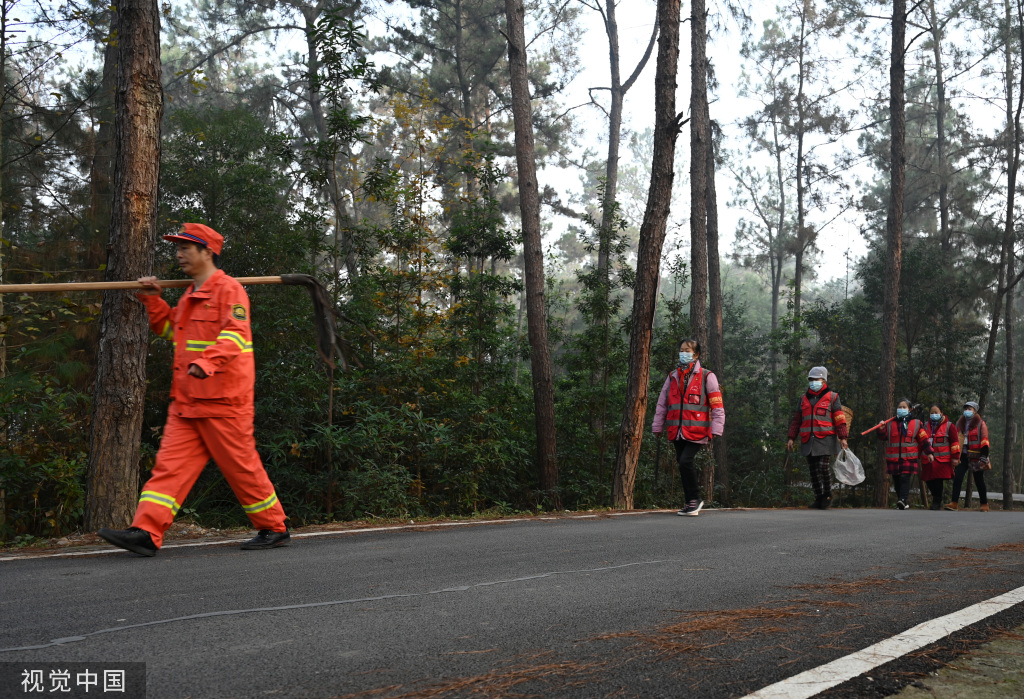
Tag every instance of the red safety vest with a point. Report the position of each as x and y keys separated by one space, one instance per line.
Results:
x=689 y=407
x=944 y=448
x=903 y=447
x=819 y=420
x=975 y=440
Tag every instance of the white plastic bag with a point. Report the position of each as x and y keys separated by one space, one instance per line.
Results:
x=848 y=468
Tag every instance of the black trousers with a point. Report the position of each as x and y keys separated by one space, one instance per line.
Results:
x=958 y=480
x=901 y=482
x=821 y=481
x=686 y=452
x=935 y=487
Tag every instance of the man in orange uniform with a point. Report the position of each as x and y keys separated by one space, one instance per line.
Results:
x=211 y=412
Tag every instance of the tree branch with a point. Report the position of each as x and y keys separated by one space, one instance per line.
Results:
x=643 y=61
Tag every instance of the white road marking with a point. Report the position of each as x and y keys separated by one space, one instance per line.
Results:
x=313 y=605
x=811 y=682
x=338 y=532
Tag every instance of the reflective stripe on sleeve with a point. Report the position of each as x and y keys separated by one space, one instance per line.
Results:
x=236 y=338
x=198 y=345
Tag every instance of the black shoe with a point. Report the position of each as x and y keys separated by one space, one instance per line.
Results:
x=900 y=505
x=131 y=539
x=267 y=539
x=936 y=505
x=692 y=509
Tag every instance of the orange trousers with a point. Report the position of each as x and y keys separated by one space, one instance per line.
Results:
x=187 y=446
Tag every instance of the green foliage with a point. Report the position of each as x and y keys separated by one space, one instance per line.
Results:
x=44 y=429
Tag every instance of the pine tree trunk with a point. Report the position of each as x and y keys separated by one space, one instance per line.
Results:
x=648 y=266
x=1010 y=424
x=599 y=372
x=699 y=134
x=894 y=232
x=618 y=90
x=529 y=205
x=716 y=332
x=101 y=171
x=611 y=172
x=120 y=391
x=3 y=324
x=801 y=231
x=940 y=131
x=1012 y=167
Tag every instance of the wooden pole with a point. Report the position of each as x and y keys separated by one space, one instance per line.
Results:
x=110 y=286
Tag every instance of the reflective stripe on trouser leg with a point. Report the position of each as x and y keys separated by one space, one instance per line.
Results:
x=232 y=445
x=180 y=460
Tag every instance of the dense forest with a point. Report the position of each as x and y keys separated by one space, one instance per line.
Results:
x=513 y=265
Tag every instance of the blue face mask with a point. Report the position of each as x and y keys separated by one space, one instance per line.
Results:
x=816 y=385
x=685 y=358
x=902 y=412
x=968 y=414
x=936 y=417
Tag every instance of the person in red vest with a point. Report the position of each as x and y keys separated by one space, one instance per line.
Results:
x=973 y=456
x=691 y=413
x=945 y=441
x=211 y=412
x=906 y=444
x=820 y=423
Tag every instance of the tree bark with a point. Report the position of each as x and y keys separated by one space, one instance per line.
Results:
x=120 y=391
x=894 y=231
x=1012 y=166
x=698 y=173
x=716 y=341
x=1010 y=424
x=529 y=206
x=652 y=238
x=778 y=259
x=801 y=232
x=101 y=170
x=940 y=131
x=3 y=324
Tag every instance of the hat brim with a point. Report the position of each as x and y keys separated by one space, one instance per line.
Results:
x=186 y=238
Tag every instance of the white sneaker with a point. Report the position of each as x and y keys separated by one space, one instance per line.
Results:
x=900 y=505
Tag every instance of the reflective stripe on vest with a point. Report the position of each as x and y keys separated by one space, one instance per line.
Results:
x=940 y=441
x=692 y=417
x=817 y=419
x=974 y=441
x=900 y=447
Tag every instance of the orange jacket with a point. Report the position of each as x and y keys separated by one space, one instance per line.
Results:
x=209 y=328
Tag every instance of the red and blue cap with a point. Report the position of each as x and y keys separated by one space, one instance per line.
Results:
x=200 y=235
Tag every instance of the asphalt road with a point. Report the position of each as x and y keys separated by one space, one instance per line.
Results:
x=643 y=605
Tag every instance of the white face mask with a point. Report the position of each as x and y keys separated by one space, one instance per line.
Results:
x=685 y=358
x=815 y=384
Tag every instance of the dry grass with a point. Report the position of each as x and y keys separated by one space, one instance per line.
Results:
x=998 y=548
x=851 y=587
x=1006 y=635
x=700 y=631
x=500 y=682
